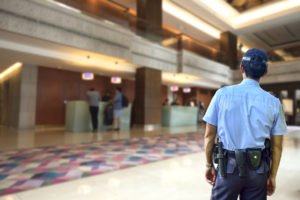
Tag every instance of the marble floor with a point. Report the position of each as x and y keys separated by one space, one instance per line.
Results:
x=179 y=178
x=51 y=136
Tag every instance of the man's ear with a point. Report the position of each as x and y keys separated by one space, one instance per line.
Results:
x=242 y=69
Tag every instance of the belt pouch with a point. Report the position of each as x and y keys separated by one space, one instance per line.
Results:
x=254 y=158
x=240 y=158
x=215 y=153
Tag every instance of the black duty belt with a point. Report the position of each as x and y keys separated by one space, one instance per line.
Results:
x=246 y=158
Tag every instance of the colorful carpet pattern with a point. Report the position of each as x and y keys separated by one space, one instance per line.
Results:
x=32 y=168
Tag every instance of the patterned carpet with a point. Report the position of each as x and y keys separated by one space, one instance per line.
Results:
x=32 y=168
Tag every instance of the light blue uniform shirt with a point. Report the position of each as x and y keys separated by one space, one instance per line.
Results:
x=245 y=115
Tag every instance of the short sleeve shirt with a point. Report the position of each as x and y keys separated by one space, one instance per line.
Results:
x=118 y=101
x=93 y=98
x=245 y=115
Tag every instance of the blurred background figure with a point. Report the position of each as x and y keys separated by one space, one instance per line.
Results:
x=201 y=111
x=94 y=98
x=118 y=108
x=166 y=102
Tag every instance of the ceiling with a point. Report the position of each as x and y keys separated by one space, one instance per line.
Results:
x=257 y=23
x=281 y=36
x=244 y=5
x=294 y=50
x=255 y=27
x=277 y=32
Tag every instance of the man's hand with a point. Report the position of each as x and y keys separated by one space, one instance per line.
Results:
x=276 y=141
x=210 y=175
x=271 y=186
x=209 y=140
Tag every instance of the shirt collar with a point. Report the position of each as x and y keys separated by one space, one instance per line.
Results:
x=248 y=81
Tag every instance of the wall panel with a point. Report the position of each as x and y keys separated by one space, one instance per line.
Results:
x=56 y=86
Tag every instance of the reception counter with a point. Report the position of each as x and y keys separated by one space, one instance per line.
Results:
x=78 y=117
x=173 y=116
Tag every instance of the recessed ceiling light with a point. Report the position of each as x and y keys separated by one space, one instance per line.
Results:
x=87 y=76
x=116 y=80
x=174 y=88
x=186 y=90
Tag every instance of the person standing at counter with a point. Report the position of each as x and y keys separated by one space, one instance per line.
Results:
x=118 y=99
x=175 y=102
x=166 y=102
x=107 y=96
x=94 y=98
x=201 y=111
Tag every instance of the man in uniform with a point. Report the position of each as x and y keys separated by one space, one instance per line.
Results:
x=243 y=117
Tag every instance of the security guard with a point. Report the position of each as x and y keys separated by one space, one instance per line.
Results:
x=244 y=117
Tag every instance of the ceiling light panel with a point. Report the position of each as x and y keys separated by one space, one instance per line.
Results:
x=236 y=20
x=190 y=19
x=263 y=12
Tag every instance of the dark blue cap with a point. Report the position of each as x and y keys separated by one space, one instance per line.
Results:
x=255 y=63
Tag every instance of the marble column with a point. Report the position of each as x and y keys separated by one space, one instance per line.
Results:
x=147 y=104
x=149 y=13
x=28 y=95
x=228 y=47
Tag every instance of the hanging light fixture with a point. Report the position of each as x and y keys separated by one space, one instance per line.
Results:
x=174 y=88
x=87 y=76
x=187 y=90
x=116 y=80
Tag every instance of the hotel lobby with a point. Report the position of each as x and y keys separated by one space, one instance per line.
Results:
x=168 y=58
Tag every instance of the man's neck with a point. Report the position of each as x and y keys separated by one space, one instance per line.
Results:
x=245 y=77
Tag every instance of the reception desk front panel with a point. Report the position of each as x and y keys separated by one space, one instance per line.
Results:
x=179 y=116
x=78 y=117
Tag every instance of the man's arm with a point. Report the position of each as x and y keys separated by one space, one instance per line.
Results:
x=209 y=140
x=276 y=141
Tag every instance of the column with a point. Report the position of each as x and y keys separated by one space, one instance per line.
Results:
x=147 y=104
x=28 y=95
x=228 y=47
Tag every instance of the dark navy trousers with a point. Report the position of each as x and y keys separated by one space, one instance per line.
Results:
x=94 y=116
x=252 y=187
